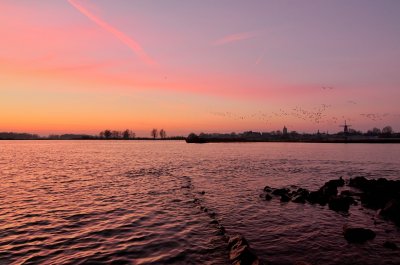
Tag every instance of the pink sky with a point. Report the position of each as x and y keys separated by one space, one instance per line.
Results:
x=84 y=66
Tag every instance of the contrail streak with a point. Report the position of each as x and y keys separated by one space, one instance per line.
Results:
x=236 y=37
x=132 y=44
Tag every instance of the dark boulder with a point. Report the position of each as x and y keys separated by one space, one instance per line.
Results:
x=322 y=196
x=350 y=193
x=376 y=192
x=335 y=182
x=359 y=182
x=340 y=203
x=240 y=252
x=314 y=197
x=329 y=189
x=267 y=189
x=358 y=234
x=299 y=199
x=280 y=192
x=392 y=211
x=390 y=245
x=285 y=198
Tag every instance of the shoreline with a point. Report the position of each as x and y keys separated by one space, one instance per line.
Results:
x=330 y=141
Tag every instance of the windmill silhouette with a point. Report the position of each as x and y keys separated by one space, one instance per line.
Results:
x=345 y=128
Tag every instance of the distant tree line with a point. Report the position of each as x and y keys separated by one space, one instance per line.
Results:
x=109 y=134
x=155 y=133
x=18 y=136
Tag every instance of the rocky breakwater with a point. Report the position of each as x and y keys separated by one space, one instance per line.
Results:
x=327 y=194
x=379 y=194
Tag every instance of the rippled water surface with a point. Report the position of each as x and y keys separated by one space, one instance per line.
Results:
x=132 y=202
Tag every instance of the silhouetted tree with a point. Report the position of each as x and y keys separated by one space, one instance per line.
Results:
x=126 y=134
x=107 y=134
x=374 y=132
x=115 y=134
x=387 y=130
x=154 y=133
x=163 y=134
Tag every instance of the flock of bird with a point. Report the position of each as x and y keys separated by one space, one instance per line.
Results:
x=375 y=116
x=316 y=115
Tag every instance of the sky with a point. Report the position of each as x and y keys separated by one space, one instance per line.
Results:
x=82 y=66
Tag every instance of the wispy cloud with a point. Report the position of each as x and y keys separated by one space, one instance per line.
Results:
x=131 y=43
x=236 y=37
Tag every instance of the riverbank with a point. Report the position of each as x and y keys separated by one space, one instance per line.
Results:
x=333 y=140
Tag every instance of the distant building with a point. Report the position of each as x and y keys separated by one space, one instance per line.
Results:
x=284 y=131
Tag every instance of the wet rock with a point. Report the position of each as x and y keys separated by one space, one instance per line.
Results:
x=392 y=211
x=299 y=199
x=390 y=245
x=329 y=189
x=335 y=182
x=212 y=214
x=350 y=193
x=323 y=195
x=280 y=192
x=268 y=197
x=340 y=203
x=285 y=198
x=214 y=222
x=240 y=251
x=314 y=197
x=303 y=192
x=376 y=192
x=267 y=189
x=359 y=182
x=358 y=234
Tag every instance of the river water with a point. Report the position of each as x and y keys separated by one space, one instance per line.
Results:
x=141 y=202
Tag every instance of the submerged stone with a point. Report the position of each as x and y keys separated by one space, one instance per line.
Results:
x=240 y=252
x=358 y=234
x=390 y=245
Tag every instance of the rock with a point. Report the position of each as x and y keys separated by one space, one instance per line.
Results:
x=280 y=192
x=351 y=193
x=335 y=182
x=358 y=182
x=285 y=198
x=240 y=252
x=267 y=189
x=376 y=192
x=322 y=196
x=392 y=211
x=303 y=192
x=358 y=234
x=340 y=203
x=390 y=245
x=314 y=197
x=329 y=189
x=268 y=197
x=214 y=222
x=299 y=199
